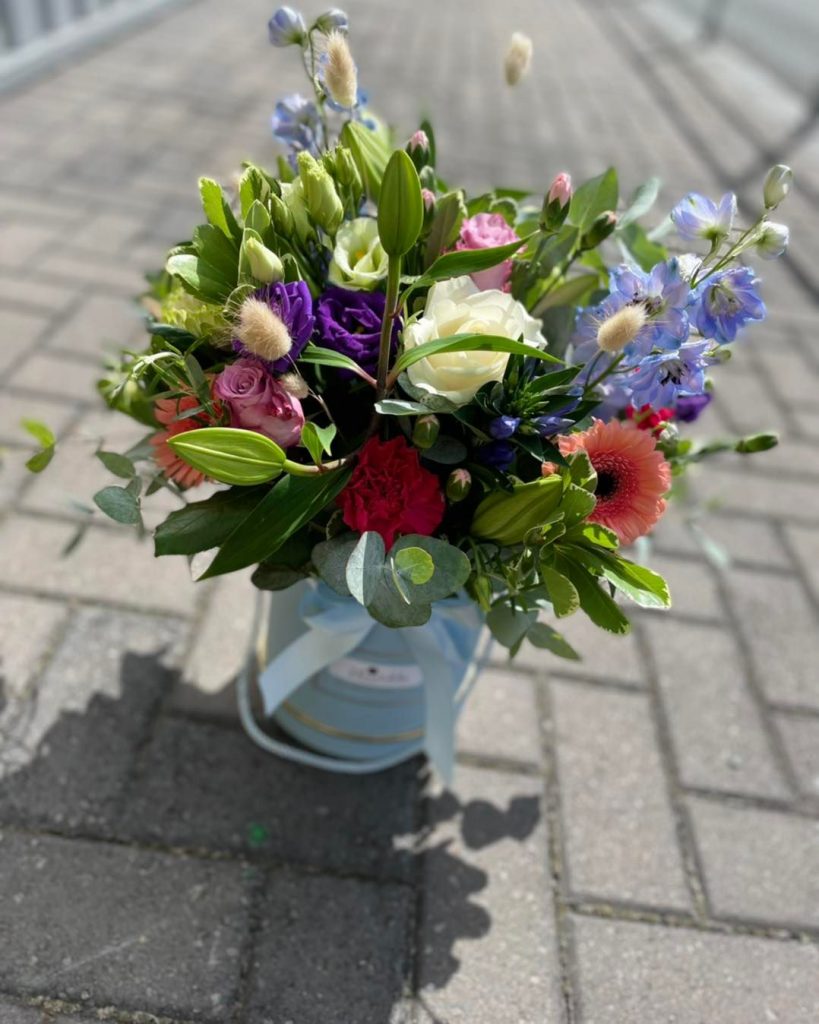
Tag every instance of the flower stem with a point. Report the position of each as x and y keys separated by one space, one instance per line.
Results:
x=390 y=312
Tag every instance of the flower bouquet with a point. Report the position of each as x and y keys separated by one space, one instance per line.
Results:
x=442 y=411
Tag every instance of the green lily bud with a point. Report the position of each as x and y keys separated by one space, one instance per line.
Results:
x=425 y=431
x=458 y=484
x=600 y=230
x=400 y=205
x=264 y=264
x=320 y=196
x=777 y=185
x=346 y=170
x=506 y=518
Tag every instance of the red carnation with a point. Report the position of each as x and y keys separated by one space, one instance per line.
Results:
x=391 y=493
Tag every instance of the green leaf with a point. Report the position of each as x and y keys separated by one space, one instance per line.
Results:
x=200 y=278
x=569 y=293
x=414 y=565
x=552 y=381
x=644 y=197
x=468 y=261
x=595 y=534
x=638 y=245
x=365 y=567
x=594 y=601
x=252 y=187
x=509 y=625
x=446 y=225
x=330 y=558
x=272 y=577
x=400 y=205
x=38 y=462
x=370 y=154
x=317 y=440
x=294 y=501
x=756 y=443
x=593 y=198
x=646 y=588
x=117 y=464
x=469 y=343
x=400 y=407
x=327 y=357
x=40 y=432
x=217 y=209
x=390 y=607
x=582 y=471
x=257 y=219
x=119 y=504
x=452 y=568
x=542 y=635
x=230 y=455
x=203 y=525
x=448 y=451
x=562 y=592
x=576 y=504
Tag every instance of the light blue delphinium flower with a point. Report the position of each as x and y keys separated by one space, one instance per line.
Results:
x=664 y=294
x=286 y=27
x=334 y=20
x=725 y=302
x=662 y=377
x=296 y=123
x=697 y=216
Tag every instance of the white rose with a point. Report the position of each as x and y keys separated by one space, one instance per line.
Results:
x=458 y=306
x=359 y=262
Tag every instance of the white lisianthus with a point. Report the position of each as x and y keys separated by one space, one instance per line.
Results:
x=359 y=262
x=458 y=306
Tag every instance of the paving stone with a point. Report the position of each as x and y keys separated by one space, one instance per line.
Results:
x=500 y=718
x=19 y=331
x=608 y=658
x=14 y=409
x=109 y=565
x=619 y=827
x=37 y=295
x=357 y=973
x=805 y=544
x=753 y=542
x=54 y=376
x=779 y=625
x=801 y=736
x=16 y=1013
x=642 y=972
x=719 y=739
x=486 y=887
x=101 y=323
x=142 y=930
x=756 y=495
x=27 y=627
x=70 y=746
x=692 y=585
x=759 y=864
x=21 y=242
x=209 y=786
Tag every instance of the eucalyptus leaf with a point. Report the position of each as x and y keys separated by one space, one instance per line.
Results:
x=448 y=451
x=414 y=565
x=119 y=465
x=118 y=504
x=330 y=558
x=452 y=568
x=365 y=567
x=400 y=407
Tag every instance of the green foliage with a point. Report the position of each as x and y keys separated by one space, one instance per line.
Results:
x=119 y=504
x=207 y=524
x=450 y=211
x=469 y=343
x=593 y=198
x=217 y=209
x=370 y=153
x=318 y=440
x=643 y=198
x=119 y=465
x=45 y=437
x=401 y=206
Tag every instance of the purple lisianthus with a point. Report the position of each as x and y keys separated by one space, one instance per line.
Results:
x=725 y=302
x=349 y=322
x=690 y=407
x=697 y=216
x=293 y=304
x=258 y=402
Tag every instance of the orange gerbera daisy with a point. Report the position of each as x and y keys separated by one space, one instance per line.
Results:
x=167 y=411
x=632 y=476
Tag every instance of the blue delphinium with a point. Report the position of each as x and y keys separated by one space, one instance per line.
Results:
x=296 y=123
x=664 y=295
x=662 y=377
x=697 y=216
x=286 y=27
x=725 y=302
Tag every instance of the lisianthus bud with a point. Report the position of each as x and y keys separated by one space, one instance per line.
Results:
x=777 y=185
x=600 y=230
x=458 y=484
x=773 y=241
x=286 y=28
x=506 y=517
x=294 y=384
x=621 y=328
x=320 y=194
x=261 y=331
x=333 y=21
x=264 y=264
x=281 y=217
x=425 y=431
x=339 y=72
x=518 y=58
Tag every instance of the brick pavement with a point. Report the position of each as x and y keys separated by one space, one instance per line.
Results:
x=633 y=838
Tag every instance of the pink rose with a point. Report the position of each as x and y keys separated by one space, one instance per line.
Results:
x=485 y=231
x=258 y=402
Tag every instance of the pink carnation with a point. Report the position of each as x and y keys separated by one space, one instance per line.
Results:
x=258 y=402
x=485 y=231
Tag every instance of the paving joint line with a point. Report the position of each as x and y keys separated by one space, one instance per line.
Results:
x=19 y=590
x=80 y=1011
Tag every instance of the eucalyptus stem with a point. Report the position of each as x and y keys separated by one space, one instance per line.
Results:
x=390 y=312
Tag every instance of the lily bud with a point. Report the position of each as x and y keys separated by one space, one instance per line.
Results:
x=518 y=58
x=458 y=484
x=333 y=21
x=556 y=204
x=320 y=194
x=264 y=264
x=777 y=185
x=286 y=28
x=773 y=240
x=506 y=517
x=425 y=432
x=600 y=230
